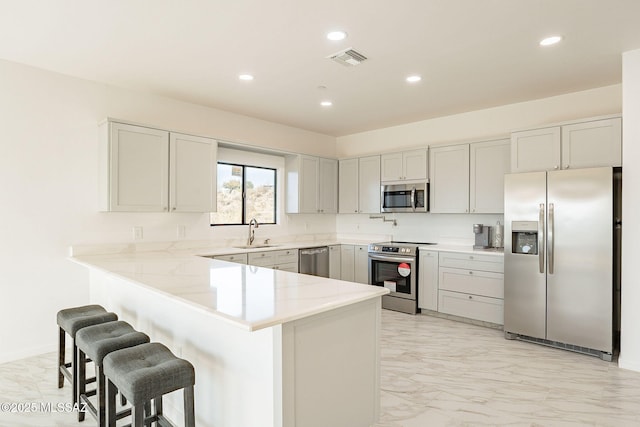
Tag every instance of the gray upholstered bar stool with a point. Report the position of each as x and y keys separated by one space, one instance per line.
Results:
x=143 y=374
x=70 y=321
x=96 y=342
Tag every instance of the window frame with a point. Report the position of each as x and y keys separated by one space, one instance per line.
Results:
x=245 y=220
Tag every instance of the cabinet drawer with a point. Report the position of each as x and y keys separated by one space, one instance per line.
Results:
x=472 y=282
x=289 y=266
x=262 y=259
x=471 y=306
x=286 y=256
x=239 y=258
x=481 y=262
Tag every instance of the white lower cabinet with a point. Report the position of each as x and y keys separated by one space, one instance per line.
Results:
x=471 y=285
x=347 y=263
x=286 y=260
x=237 y=258
x=428 y=280
x=471 y=306
x=361 y=274
x=334 y=262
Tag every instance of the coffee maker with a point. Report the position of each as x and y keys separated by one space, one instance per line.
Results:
x=483 y=236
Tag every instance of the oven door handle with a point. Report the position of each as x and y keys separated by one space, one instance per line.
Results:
x=391 y=258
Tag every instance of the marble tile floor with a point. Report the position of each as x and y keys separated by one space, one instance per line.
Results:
x=435 y=372
x=439 y=372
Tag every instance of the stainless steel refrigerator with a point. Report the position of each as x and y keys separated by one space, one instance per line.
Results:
x=561 y=258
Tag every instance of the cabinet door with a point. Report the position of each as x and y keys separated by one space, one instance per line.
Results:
x=428 y=281
x=369 y=184
x=535 y=150
x=237 y=258
x=415 y=164
x=361 y=274
x=334 y=262
x=449 y=179
x=348 y=188
x=261 y=259
x=347 y=263
x=592 y=144
x=138 y=169
x=309 y=172
x=192 y=173
x=391 y=167
x=489 y=161
x=328 y=186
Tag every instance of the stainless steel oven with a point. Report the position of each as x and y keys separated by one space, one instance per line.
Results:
x=405 y=197
x=394 y=265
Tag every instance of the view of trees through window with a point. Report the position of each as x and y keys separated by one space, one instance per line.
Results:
x=245 y=192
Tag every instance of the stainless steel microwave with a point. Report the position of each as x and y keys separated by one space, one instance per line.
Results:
x=405 y=197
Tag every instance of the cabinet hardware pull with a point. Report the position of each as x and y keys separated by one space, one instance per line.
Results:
x=471 y=272
x=566 y=166
x=470 y=297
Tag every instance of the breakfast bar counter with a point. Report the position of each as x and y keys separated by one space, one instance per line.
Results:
x=270 y=348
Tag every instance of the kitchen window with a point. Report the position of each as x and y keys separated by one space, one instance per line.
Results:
x=245 y=192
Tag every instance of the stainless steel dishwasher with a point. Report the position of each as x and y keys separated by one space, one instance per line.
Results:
x=314 y=261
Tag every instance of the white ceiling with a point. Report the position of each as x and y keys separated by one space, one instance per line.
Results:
x=472 y=54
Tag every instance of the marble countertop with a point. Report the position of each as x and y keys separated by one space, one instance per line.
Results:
x=467 y=249
x=249 y=297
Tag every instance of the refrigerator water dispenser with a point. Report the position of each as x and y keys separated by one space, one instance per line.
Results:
x=524 y=237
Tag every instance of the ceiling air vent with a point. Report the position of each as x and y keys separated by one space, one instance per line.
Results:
x=347 y=57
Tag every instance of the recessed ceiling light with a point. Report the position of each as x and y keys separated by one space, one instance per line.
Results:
x=326 y=103
x=414 y=79
x=245 y=77
x=336 y=35
x=550 y=40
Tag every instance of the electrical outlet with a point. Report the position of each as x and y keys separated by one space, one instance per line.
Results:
x=137 y=232
x=182 y=231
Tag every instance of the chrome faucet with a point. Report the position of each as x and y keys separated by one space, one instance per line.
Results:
x=253 y=224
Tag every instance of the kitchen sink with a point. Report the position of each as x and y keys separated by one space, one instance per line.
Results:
x=263 y=245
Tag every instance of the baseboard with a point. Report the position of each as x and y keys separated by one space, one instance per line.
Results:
x=631 y=365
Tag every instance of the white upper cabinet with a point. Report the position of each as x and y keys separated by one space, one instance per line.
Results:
x=348 y=187
x=369 y=184
x=592 y=144
x=143 y=169
x=580 y=145
x=328 y=186
x=407 y=165
x=359 y=189
x=535 y=150
x=311 y=184
x=134 y=168
x=488 y=163
x=192 y=175
x=449 y=179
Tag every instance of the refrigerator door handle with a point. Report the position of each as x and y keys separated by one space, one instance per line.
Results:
x=541 y=239
x=550 y=238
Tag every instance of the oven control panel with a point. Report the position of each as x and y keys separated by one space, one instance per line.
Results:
x=391 y=249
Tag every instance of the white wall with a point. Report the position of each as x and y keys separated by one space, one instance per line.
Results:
x=484 y=124
x=48 y=185
x=630 y=321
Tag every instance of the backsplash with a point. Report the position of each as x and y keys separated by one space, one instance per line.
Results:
x=454 y=229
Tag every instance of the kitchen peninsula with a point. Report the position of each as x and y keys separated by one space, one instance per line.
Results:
x=270 y=348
